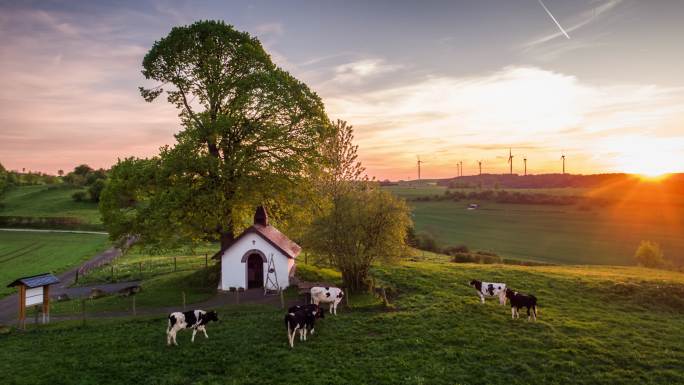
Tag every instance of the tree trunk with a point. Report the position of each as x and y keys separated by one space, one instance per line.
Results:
x=227 y=238
x=355 y=280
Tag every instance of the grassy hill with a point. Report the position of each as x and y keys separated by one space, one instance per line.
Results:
x=48 y=201
x=596 y=325
x=29 y=253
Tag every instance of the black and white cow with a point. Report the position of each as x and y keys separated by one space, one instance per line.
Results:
x=310 y=307
x=194 y=319
x=519 y=300
x=331 y=295
x=302 y=320
x=490 y=289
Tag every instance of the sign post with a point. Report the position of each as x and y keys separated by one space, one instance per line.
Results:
x=34 y=290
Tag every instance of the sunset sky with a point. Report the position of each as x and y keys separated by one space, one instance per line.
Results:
x=449 y=81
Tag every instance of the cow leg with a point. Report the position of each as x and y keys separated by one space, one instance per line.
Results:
x=305 y=331
x=289 y=336
x=204 y=330
x=481 y=297
x=194 y=331
x=512 y=312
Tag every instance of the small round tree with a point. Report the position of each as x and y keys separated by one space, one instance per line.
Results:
x=649 y=254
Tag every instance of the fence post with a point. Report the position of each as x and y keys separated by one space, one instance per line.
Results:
x=83 y=312
x=36 y=310
x=133 y=303
x=346 y=295
x=112 y=274
x=206 y=260
x=140 y=267
x=175 y=267
x=76 y=280
x=282 y=299
x=183 y=301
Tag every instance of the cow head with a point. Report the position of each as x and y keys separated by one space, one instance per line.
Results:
x=211 y=316
x=509 y=293
x=476 y=284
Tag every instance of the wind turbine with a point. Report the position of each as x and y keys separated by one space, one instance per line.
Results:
x=510 y=160
x=563 y=159
x=479 y=163
x=525 y=161
x=419 y=162
x=461 y=168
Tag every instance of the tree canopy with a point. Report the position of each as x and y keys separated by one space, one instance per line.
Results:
x=251 y=134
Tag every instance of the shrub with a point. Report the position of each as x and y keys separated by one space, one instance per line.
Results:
x=80 y=196
x=463 y=258
x=426 y=241
x=649 y=254
x=453 y=250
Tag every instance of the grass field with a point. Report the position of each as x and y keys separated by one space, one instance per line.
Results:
x=48 y=201
x=556 y=234
x=569 y=234
x=163 y=282
x=596 y=326
x=29 y=253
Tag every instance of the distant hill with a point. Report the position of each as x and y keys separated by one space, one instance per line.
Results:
x=549 y=180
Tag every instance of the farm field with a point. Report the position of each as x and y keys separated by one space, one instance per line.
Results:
x=597 y=325
x=28 y=253
x=48 y=201
x=566 y=234
x=555 y=234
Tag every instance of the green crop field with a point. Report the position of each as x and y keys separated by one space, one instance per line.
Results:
x=584 y=233
x=556 y=234
x=596 y=326
x=29 y=253
x=48 y=201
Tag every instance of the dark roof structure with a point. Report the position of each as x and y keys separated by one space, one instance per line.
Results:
x=35 y=280
x=269 y=233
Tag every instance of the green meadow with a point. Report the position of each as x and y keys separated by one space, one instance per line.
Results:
x=564 y=234
x=596 y=325
x=48 y=201
x=29 y=253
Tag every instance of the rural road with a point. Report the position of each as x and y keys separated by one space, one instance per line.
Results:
x=9 y=305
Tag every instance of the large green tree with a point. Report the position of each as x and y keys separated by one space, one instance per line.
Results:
x=251 y=134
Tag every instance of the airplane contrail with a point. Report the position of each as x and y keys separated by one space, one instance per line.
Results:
x=554 y=19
